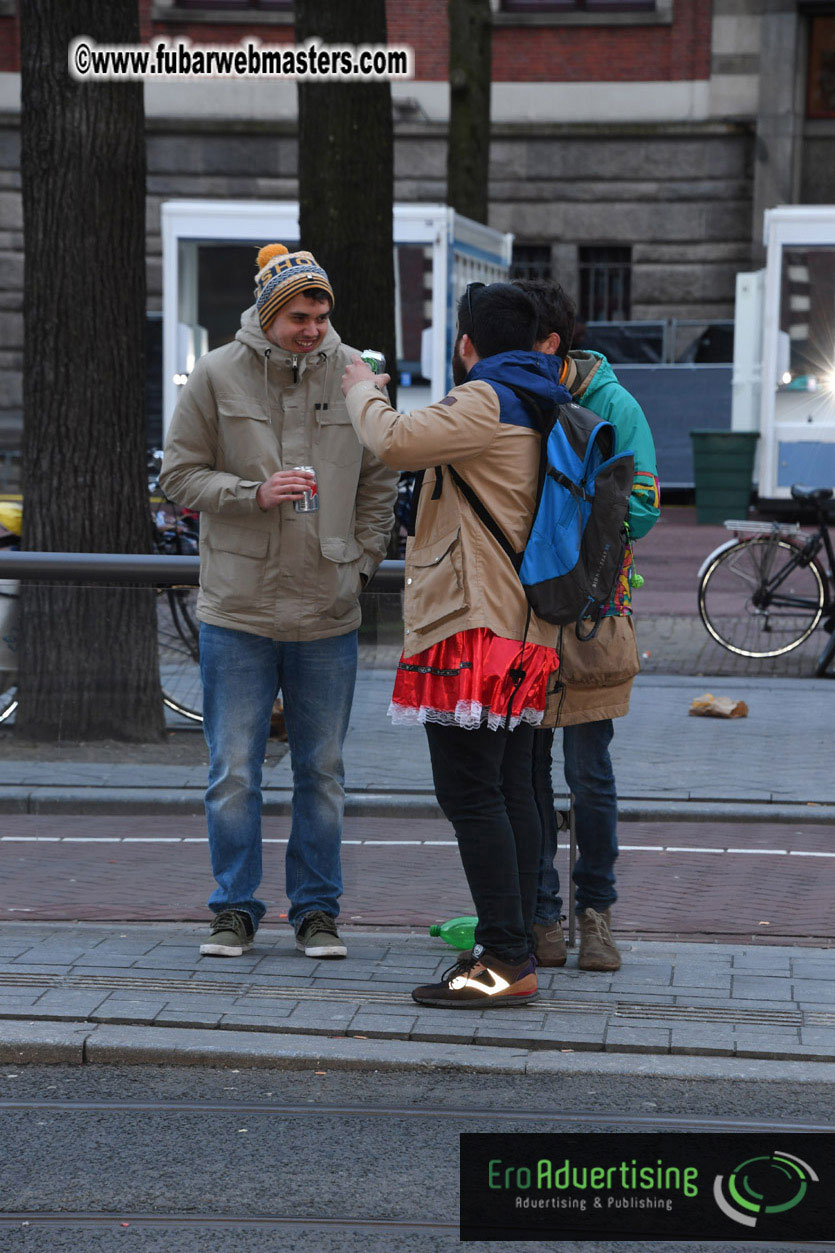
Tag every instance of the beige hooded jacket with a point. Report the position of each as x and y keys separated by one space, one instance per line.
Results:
x=457 y=576
x=248 y=410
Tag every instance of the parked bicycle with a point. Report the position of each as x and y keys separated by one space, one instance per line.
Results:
x=764 y=592
x=175 y=532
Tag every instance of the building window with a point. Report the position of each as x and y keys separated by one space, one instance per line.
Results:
x=531 y=261
x=577 y=6
x=605 y=273
x=820 y=98
x=237 y=6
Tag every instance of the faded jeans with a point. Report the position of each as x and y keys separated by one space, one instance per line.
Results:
x=589 y=775
x=242 y=674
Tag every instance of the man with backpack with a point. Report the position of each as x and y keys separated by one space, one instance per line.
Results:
x=476 y=662
x=596 y=676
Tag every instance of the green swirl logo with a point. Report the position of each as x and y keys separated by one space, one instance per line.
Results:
x=763 y=1185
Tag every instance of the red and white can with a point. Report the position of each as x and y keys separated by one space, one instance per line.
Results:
x=309 y=502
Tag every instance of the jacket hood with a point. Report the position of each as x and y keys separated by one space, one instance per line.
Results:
x=586 y=372
x=535 y=371
x=253 y=337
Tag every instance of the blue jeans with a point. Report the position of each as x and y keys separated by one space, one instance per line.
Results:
x=589 y=775
x=242 y=674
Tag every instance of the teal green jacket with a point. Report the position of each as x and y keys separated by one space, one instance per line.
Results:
x=592 y=383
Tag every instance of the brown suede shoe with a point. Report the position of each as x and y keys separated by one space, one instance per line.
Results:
x=598 y=950
x=481 y=983
x=549 y=943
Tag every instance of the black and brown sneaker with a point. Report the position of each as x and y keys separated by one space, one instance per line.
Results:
x=481 y=982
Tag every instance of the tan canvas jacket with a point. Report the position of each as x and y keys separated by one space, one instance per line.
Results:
x=457 y=576
x=248 y=410
x=595 y=677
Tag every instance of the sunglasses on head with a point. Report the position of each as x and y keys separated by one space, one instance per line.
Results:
x=472 y=287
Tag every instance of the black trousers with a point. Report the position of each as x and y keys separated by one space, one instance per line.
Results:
x=484 y=785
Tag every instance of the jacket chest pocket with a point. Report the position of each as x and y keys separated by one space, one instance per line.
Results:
x=246 y=442
x=336 y=438
x=435 y=582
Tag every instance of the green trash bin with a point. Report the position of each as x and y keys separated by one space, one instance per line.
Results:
x=723 y=470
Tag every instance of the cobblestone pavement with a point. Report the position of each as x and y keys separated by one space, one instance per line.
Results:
x=723 y=1001
x=676 y=644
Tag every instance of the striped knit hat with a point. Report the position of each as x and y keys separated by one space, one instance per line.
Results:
x=283 y=275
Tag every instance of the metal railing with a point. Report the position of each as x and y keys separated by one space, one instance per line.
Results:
x=139 y=568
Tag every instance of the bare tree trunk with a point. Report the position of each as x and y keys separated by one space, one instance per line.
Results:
x=468 y=152
x=88 y=664
x=346 y=178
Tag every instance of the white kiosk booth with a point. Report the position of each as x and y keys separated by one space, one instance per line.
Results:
x=784 y=359
x=437 y=252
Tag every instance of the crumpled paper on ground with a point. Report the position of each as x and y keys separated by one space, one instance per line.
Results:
x=710 y=706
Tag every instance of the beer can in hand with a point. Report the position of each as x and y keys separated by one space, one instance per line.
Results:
x=375 y=361
x=309 y=502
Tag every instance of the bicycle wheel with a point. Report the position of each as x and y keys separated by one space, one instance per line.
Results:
x=756 y=601
x=179 y=655
x=8 y=694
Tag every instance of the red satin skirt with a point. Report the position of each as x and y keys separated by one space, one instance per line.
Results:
x=466 y=681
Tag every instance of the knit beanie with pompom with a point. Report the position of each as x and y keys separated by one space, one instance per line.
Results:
x=283 y=274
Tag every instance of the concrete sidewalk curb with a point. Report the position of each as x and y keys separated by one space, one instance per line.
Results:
x=23 y=1043
x=147 y=799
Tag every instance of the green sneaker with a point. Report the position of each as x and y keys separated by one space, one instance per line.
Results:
x=231 y=935
x=318 y=937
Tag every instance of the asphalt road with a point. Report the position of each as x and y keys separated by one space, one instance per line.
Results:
x=312 y=1164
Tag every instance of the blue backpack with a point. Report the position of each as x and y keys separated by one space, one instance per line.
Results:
x=570 y=564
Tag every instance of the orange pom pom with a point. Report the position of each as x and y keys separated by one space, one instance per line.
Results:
x=268 y=252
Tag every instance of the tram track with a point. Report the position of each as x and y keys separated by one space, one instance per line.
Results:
x=57 y=1218
x=350 y=1226
x=278 y=1222
x=582 y=1119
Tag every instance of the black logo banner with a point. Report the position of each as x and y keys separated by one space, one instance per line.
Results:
x=771 y=1187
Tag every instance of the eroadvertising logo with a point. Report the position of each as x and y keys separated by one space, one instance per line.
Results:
x=647 y=1186
x=784 y=1180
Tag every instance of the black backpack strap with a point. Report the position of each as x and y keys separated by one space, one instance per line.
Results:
x=417 y=487
x=486 y=518
x=595 y=619
x=517 y=671
x=578 y=492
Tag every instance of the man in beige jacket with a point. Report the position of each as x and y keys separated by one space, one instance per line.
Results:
x=279 y=589
x=476 y=662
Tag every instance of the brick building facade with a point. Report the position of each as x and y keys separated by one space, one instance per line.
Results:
x=637 y=140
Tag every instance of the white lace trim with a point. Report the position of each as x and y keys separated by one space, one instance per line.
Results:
x=469 y=714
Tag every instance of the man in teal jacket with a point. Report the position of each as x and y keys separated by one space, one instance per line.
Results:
x=595 y=677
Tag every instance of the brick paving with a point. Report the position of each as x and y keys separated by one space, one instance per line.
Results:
x=409 y=874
